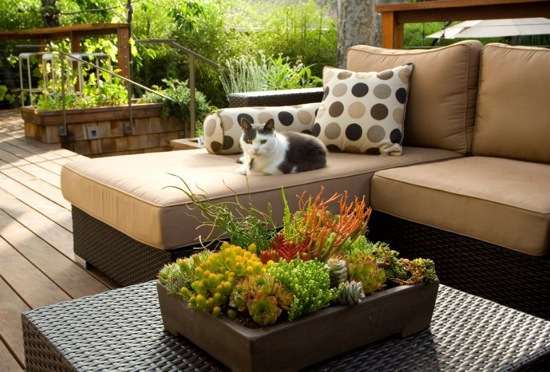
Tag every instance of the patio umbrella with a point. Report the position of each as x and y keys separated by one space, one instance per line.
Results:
x=495 y=28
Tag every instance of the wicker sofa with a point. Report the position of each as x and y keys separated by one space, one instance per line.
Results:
x=459 y=193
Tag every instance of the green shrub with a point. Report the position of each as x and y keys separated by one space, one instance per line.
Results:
x=179 y=106
x=245 y=74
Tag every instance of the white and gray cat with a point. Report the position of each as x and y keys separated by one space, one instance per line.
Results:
x=267 y=151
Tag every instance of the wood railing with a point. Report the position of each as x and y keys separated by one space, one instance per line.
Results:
x=394 y=16
x=76 y=33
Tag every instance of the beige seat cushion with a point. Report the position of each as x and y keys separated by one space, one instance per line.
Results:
x=129 y=192
x=513 y=114
x=443 y=89
x=500 y=201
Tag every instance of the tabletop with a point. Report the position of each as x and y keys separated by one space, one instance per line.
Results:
x=122 y=330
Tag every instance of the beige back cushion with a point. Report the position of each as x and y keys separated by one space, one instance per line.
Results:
x=513 y=113
x=443 y=89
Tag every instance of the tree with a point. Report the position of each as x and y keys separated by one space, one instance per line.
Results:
x=358 y=23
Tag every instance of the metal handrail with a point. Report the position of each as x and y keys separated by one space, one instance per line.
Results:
x=73 y=57
x=192 y=89
x=191 y=55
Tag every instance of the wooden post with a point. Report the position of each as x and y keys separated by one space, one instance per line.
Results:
x=123 y=35
x=395 y=15
x=392 y=32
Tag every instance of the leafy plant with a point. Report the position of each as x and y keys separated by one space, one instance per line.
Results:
x=179 y=105
x=6 y=95
x=95 y=94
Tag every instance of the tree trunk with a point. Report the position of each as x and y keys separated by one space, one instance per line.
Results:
x=50 y=13
x=358 y=23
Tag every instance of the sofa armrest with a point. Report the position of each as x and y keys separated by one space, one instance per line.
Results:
x=222 y=129
x=284 y=97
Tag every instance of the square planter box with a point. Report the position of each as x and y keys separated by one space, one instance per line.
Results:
x=399 y=311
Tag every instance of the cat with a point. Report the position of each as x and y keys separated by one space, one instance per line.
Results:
x=269 y=152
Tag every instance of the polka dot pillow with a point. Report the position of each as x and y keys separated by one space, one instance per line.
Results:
x=222 y=129
x=363 y=112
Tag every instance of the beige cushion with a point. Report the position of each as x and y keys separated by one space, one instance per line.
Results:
x=363 y=112
x=129 y=192
x=513 y=111
x=222 y=128
x=441 y=105
x=473 y=196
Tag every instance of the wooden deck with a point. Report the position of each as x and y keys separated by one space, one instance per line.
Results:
x=37 y=266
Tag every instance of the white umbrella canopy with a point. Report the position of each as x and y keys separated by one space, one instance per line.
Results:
x=495 y=28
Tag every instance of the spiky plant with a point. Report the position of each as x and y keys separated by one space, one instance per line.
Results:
x=328 y=233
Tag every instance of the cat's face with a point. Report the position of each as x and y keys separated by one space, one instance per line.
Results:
x=257 y=140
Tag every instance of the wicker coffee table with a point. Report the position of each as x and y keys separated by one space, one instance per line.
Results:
x=122 y=330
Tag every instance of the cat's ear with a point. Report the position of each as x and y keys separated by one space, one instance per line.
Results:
x=245 y=124
x=270 y=125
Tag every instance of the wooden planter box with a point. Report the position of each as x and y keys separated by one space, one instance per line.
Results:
x=104 y=130
x=289 y=346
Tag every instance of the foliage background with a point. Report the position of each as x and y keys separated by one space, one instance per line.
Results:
x=221 y=30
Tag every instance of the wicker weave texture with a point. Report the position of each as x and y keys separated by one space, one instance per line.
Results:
x=122 y=330
x=121 y=258
x=276 y=97
x=496 y=273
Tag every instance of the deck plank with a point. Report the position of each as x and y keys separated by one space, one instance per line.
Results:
x=37 y=265
x=11 y=308
x=40 y=172
x=57 y=236
x=31 y=146
x=69 y=277
x=41 y=187
x=12 y=160
x=8 y=361
x=53 y=211
x=31 y=285
x=20 y=152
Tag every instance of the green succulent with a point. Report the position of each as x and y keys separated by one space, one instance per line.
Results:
x=177 y=275
x=309 y=281
x=364 y=267
x=338 y=272
x=350 y=293
x=418 y=270
x=387 y=258
x=258 y=294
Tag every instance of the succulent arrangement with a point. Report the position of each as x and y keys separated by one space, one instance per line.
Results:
x=319 y=258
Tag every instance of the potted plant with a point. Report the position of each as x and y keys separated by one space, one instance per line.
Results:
x=271 y=299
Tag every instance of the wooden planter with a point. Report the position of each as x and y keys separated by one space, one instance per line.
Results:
x=289 y=346
x=105 y=130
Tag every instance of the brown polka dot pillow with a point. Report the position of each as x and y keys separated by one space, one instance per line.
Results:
x=363 y=112
x=222 y=129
